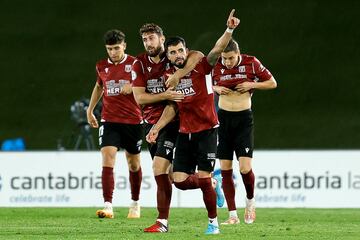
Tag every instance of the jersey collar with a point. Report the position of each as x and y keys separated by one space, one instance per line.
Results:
x=240 y=59
x=123 y=60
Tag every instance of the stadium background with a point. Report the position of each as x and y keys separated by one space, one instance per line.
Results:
x=49 y=49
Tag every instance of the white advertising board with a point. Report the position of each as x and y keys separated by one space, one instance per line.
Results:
x=316 y=179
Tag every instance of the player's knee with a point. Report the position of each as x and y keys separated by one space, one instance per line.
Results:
x=245 y=169
x=181 y=185
x=108 y=162
x=160 y=166
x=134 y=167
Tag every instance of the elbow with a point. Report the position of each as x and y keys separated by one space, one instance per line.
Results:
x=274 y=85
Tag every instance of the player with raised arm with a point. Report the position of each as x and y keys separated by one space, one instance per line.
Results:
x=236 y=77
x=197 y=140
x=120 y=120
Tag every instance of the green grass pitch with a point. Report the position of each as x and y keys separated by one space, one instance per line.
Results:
x=185 y=223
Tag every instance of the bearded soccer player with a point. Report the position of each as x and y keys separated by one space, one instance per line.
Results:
x=120 y=120
x=150 y=91
x=197 y=140
x=236 y=77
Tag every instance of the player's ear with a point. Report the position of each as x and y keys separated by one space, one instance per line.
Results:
x=124 y=45
x=162 y=39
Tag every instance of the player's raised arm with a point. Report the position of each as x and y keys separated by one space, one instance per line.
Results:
x=222 y=42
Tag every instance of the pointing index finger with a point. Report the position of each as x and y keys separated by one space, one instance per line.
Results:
x=232 y=13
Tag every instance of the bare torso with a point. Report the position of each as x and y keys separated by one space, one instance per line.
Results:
x=235 y=101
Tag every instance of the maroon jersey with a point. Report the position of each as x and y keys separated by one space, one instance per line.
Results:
x=148 y=74
x=117 y=108
x=249 y=69
x=197 y=110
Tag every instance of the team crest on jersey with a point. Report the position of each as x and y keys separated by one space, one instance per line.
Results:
x=242 y=69
x=106 y=70
x=222 y=71
x=149 y=69
x=127 y=68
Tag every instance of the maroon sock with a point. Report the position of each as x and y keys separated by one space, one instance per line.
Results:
x=163 y=196
x=229 y=188
x=209 y=196
x=249 y=182
x=192 y=182
x=135 y=179
x=107 y=180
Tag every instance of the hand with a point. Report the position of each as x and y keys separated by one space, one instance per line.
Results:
x=92 y=119
x=126 y=89
x=244 y=87
x=222 y=90
x=172 y=81
x=232 y=21
x=172 y=95
x=152 y=135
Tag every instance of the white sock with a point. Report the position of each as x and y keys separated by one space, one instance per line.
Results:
x=250 y=202
x=108 y=205
x=134 y=203
x=163 y=221
x=214 y=221
x=233 y=214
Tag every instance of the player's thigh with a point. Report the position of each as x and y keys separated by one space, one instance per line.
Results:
x=185 y=158
x=131 y=137
x=206 y=151
x=244 y=139
x=160 y=165
x=225 y=148
x=109 y=135
x=166 y=141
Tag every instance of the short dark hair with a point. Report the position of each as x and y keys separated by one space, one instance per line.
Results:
x=232 y=46
x=151 y=28
x=114 y=36
x=173 y=41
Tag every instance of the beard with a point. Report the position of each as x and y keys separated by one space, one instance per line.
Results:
x=154 y=52
x=179 y=65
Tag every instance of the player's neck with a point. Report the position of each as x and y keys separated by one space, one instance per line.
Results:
x=158 y=57
x=119 y=61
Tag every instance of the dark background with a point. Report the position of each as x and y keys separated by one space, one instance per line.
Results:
x=49 y=50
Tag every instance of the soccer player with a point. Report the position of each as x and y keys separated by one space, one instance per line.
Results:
x=236 y=77
x=150 y=91
x=121 y=120
x=197 y=140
